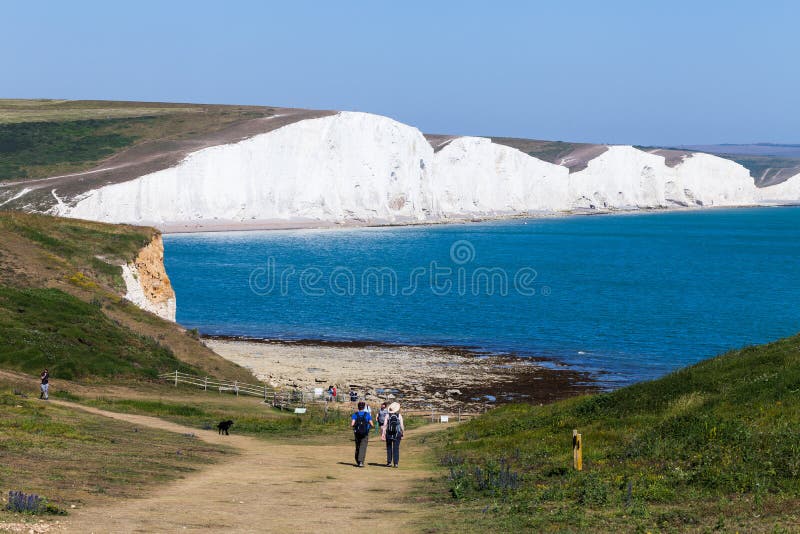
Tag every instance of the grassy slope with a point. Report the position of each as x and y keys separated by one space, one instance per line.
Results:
x=73 y=458
x=40 y=138
x=550 y=151
x=60 y=306
x=710 y=446
x=74 y=339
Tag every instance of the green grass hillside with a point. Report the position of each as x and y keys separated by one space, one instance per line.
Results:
x=61 y=306
x=41 y=138
x=712 y=446
x=72 y=458
x=50 y=328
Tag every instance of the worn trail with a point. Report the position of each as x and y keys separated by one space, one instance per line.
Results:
x=269 y=486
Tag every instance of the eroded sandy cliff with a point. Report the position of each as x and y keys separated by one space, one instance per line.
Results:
x=148 y=285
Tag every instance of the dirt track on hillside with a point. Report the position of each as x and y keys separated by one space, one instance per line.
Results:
x=270 y=486
x=148 y=157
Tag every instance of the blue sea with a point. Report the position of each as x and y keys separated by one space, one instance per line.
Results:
x=626 y=297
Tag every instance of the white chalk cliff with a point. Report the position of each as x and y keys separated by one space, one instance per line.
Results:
x=363 y=167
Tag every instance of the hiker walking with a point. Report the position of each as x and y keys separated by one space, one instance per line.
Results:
x=361 y=423
x=393 y=430
x=45 y=376
x=382 y=414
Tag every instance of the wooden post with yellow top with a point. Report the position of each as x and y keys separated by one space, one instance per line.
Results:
x=577 y=451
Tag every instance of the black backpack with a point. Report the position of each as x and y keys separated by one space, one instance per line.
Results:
x=393 y=431
x=361 y=428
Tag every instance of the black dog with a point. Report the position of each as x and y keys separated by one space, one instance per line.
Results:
x=224 y=426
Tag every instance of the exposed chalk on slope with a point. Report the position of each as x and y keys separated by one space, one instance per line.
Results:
x=19 y=194
x=784 y=192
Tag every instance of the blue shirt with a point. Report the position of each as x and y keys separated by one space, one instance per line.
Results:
x=369 y=417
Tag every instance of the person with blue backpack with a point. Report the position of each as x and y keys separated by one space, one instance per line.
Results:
x=393 y=430
x=361 y=423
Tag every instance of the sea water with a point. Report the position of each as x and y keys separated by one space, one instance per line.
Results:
x=626 y=297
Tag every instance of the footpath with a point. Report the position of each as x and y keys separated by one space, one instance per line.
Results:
x=270 y=486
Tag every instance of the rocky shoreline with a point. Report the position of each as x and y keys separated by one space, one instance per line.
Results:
x=420 y=377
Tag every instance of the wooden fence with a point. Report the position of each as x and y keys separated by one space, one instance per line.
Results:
x=276 y=397
x=292 y=398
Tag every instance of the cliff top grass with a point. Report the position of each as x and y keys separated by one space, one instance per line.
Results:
x=40 y=138
x=95 y=249
x=712 y=446
x=61 y=306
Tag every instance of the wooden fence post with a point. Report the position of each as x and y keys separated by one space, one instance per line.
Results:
x=577 y=451
x=236 y=387
x=205 y=384
x=176 y=378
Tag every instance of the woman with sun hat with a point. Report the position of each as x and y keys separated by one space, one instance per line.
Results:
x=392 y=433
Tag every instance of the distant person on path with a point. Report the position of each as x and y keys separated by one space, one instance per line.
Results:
x=383 y=413
x=333 y=391
x=353 y=395
x=330 y=393
x=45 y=376
x=361 y=423
x=393 y=431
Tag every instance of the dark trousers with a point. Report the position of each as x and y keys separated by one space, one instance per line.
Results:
x=393 y=451
x=361 y=447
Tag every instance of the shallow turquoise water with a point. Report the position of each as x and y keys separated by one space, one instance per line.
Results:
x=628 y=297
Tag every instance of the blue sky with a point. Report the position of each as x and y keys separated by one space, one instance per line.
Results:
x=616 y=71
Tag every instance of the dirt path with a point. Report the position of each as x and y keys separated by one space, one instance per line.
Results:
x=269 y=486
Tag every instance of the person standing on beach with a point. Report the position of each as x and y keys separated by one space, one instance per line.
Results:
x=45 y=387
x=393 y=431
x=361 y=423
x=382 y=415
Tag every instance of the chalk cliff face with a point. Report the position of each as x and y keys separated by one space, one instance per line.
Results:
x=148 y=285
x=626 y=178
x=362 y=167
x=350 y=166
x=473 y=176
